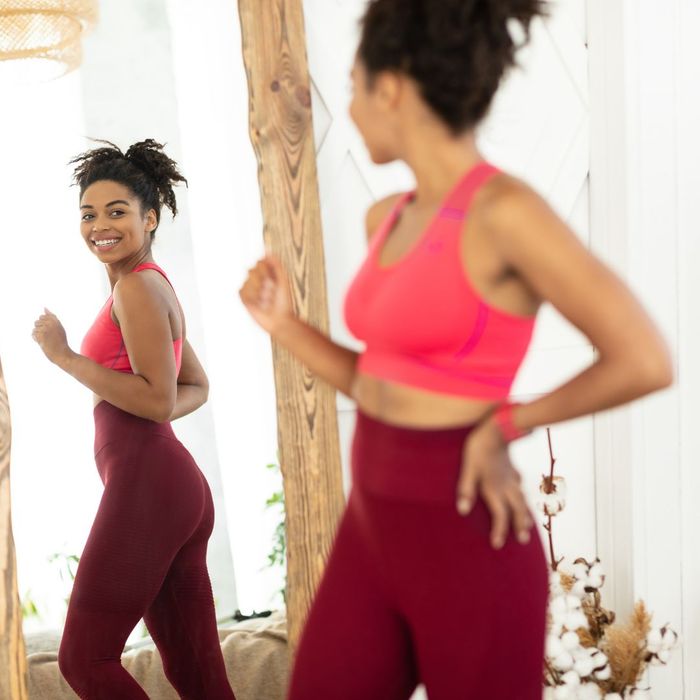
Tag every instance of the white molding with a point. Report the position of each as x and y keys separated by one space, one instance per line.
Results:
x=688 y=148
x=608 y=236
x=642 y=177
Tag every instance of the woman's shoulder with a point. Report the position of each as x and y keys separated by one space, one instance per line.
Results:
x=140 y=286
x=503 y=193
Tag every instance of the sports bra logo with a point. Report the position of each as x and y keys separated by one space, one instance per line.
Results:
x=452 y=213
x=433 y=246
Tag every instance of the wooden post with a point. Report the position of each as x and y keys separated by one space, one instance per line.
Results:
x=13 y=658
x=274 y=52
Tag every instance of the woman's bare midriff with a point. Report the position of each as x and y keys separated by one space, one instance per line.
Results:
x=408 y=406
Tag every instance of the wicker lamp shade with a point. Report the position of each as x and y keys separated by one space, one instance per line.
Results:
x=43 y=37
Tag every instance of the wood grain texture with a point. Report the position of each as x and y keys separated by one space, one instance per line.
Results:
x=281 y=128
x=13 y=659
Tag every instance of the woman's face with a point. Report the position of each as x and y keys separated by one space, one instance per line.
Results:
x=375 y=112
x=111 y=222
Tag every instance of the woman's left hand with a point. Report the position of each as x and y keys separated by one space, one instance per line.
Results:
x=488 y=471
x=51 y=337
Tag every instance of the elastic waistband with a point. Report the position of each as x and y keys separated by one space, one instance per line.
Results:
x=404 y=463
x=114 y=425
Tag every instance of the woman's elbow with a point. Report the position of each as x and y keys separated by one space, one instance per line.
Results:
x=655 y=371
x=162 y=409
x=204 y=389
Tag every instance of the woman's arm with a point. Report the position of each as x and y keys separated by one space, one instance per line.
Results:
x=192 y=384
x=151 y=391
x=266 y=296
x=633 y=359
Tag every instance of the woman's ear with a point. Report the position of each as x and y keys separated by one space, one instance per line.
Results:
x=151 y=221
x=388 y=87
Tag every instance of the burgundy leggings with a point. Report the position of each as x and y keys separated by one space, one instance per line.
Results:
x=414 y=593
x=145 y=558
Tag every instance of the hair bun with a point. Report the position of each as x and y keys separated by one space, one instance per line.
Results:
x=149 y=157
x=456 y=50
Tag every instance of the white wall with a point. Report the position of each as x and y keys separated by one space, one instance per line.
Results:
x=645 y=151
x=212 y=103
x=687 y=146
x=55 y=486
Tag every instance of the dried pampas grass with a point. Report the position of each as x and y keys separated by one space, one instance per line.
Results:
x=625 y=647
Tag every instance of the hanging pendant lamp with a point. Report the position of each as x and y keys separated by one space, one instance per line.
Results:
x=42 y=39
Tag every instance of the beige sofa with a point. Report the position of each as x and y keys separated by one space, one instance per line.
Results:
x=255 y=652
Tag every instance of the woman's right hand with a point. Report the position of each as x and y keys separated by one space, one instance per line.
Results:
x=266 y=295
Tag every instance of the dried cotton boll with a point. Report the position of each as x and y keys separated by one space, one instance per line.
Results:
x=563 y=661
x=601 y=665
x=570 y=641
x=660 y=643
x=662 y=658
x=580 y=570
x=596 y=575
x=613 y=696
x=654 y=640
x=555 y=587
x=670 y=638
x=589 y=576
x=554 y=645
x=566 y=566
x=553 y=499
x=603 y=674
x=571 y=678
x=564 y=692
x=639 y=694
x=588 y=691
x=579 y=588
x=566 y=612
x=583 y=665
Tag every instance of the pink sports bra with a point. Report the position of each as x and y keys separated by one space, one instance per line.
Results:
x=104 y=342
x=421 y=319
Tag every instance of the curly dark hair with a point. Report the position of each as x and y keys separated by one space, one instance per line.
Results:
x=456 y=50
x=145 y=169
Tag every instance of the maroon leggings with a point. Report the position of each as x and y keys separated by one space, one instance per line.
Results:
x=145 y=558
x=414 y=593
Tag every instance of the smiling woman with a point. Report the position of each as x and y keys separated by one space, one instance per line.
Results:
x=145 y=556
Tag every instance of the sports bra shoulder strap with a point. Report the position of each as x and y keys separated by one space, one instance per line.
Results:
x=461 y=197
x=153 y=266
x=389 y=219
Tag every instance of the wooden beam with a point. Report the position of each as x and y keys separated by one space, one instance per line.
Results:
x=13 y=658
x=274 y=52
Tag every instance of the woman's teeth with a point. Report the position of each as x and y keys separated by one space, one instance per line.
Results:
x=104 y=244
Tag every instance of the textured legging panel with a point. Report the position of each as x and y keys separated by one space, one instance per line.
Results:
x=414 y=593
x=145 y=557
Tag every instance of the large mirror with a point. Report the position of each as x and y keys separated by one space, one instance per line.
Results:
x=141 y=77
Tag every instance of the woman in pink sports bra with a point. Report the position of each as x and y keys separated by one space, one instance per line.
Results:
x=145 y=556
x=437 y=574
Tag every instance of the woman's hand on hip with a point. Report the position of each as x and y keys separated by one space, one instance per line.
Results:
x=51 y=337
x=487 y=471
x=266 y=295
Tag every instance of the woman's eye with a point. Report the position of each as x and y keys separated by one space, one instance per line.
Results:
x=118 y=212
x=87 y=217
